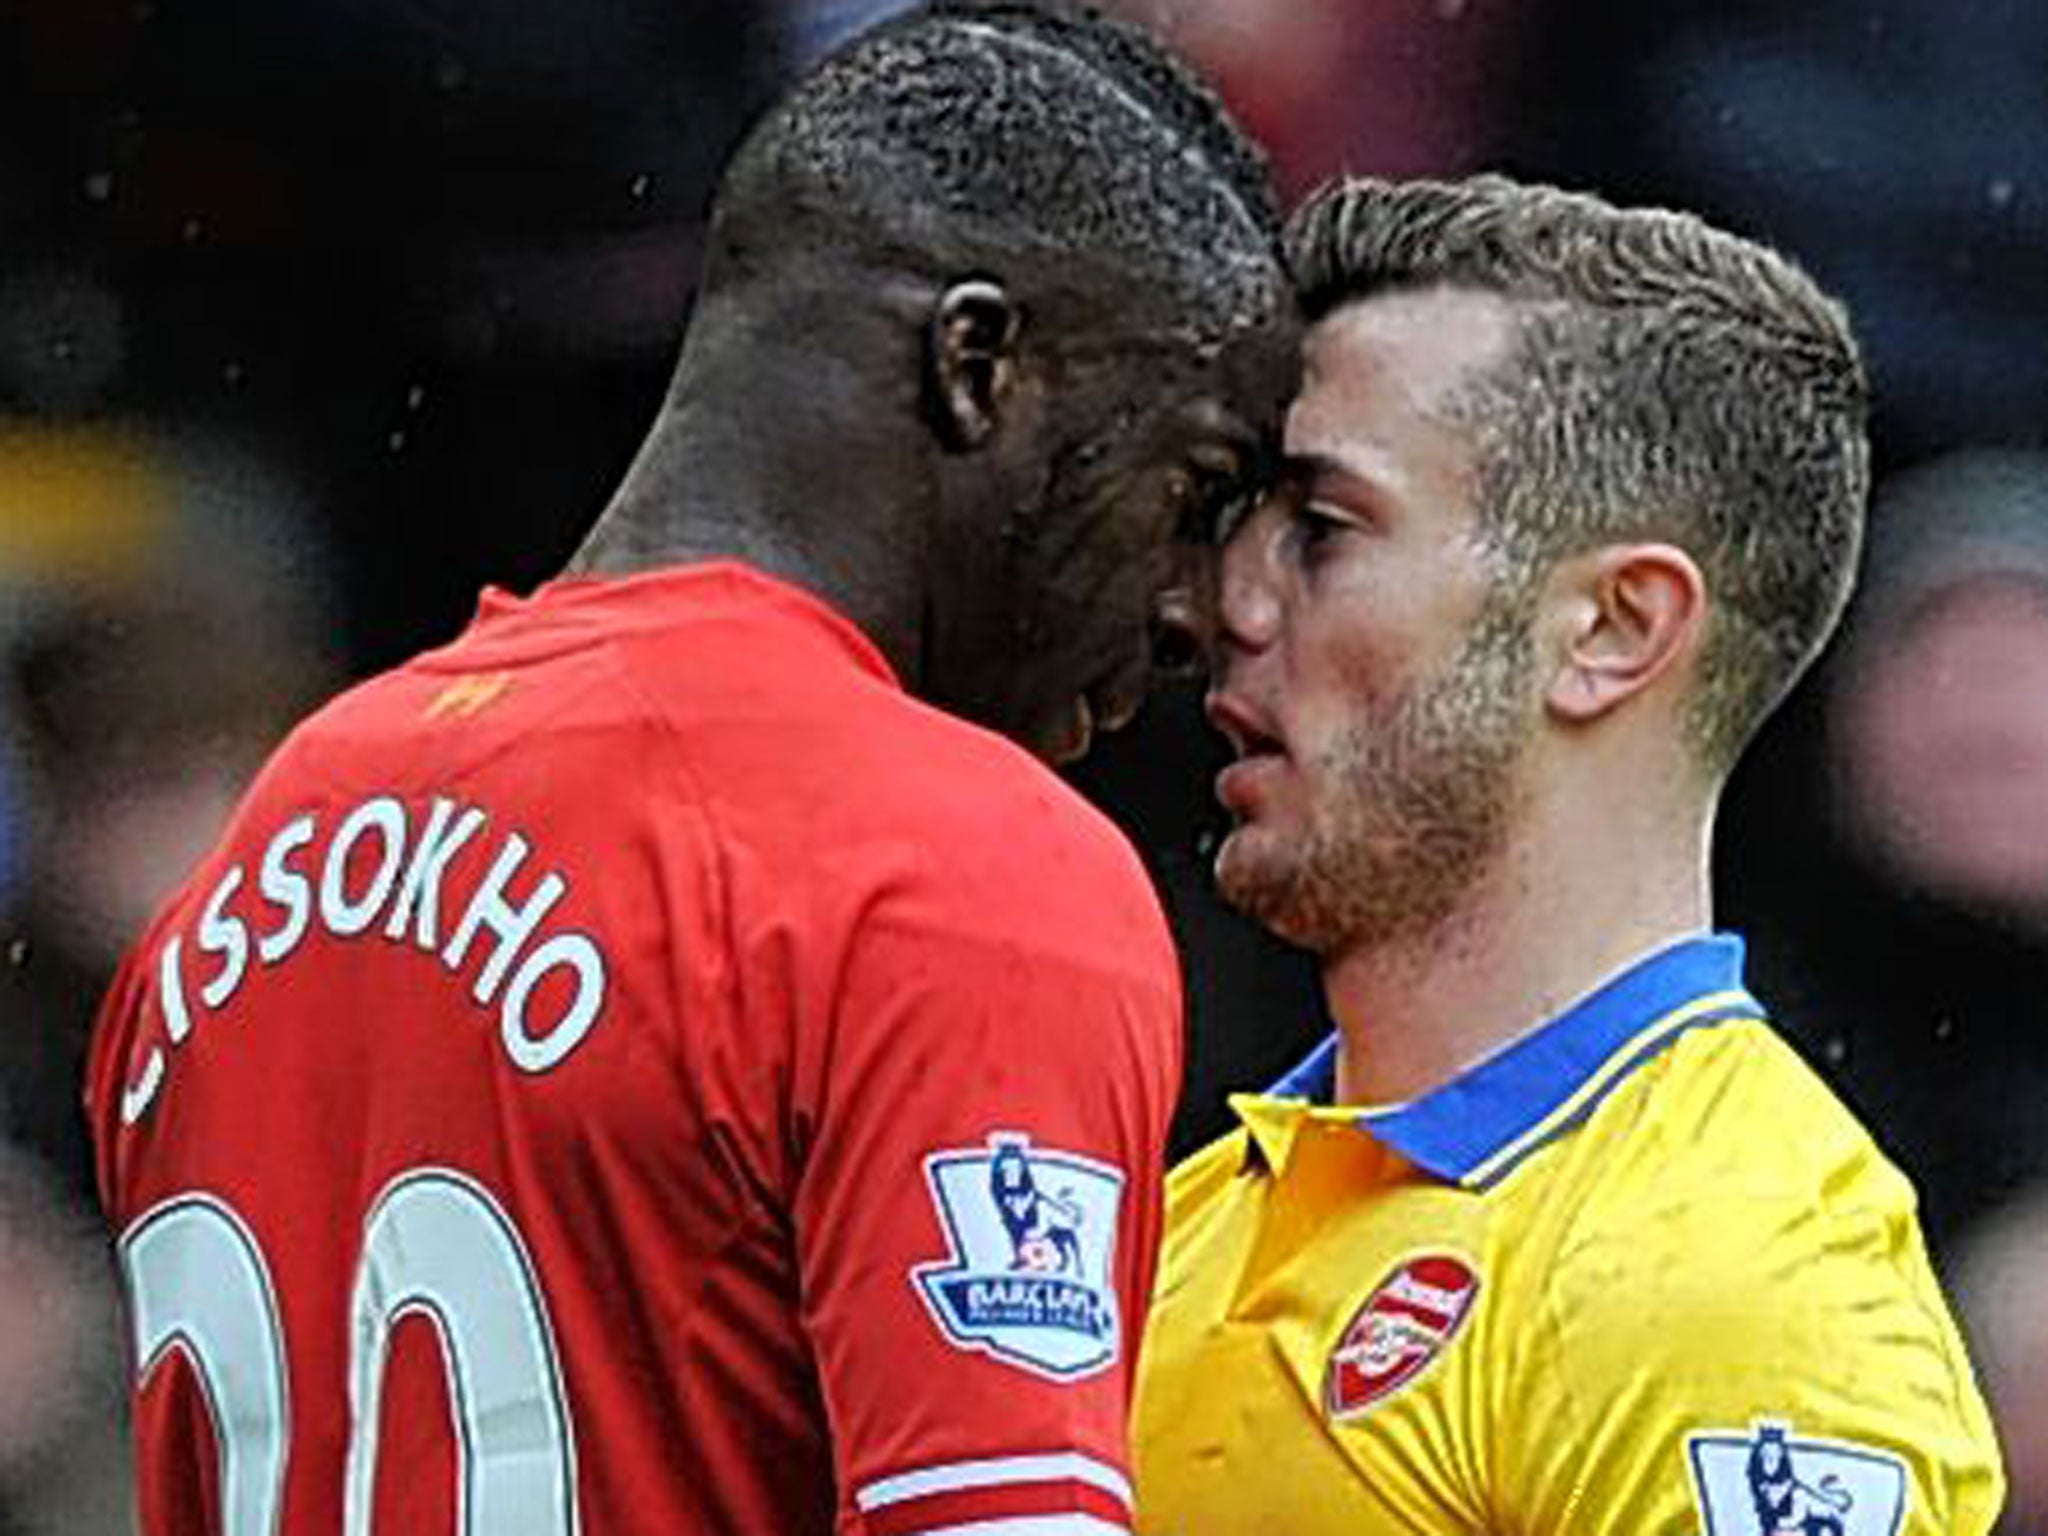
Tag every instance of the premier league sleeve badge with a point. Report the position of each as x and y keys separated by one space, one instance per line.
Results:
x=1772 y=1483
x=1031 y=1235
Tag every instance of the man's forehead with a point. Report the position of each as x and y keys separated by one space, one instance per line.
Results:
x=1405 y=356
x=1251 y=367
x=1439 y=333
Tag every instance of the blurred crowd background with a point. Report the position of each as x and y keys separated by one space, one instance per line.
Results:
x=317 y=317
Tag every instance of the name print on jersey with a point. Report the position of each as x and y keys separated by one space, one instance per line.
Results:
x=381 y=874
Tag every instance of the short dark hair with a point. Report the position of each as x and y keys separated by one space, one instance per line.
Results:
x=1668 y=380
x=1013 y=136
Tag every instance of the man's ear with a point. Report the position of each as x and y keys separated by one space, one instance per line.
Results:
x=970 y=360
x=1626 y=614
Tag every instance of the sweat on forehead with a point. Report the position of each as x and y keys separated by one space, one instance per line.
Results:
x=996 y=131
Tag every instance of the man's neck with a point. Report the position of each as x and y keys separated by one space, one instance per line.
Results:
x=696 y=496
x=1549 y=922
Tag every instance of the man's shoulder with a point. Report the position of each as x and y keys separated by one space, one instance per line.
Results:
x=845 y=761
x=1735 y=1259
x=959 y=831
x=1732 y=1195
x=962 y=778
x=780 y=695
x=1729 y=1115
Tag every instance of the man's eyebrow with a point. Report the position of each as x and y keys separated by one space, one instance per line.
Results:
x=1301 y=470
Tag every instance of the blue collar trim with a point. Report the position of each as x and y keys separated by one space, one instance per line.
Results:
x=1478 y=1127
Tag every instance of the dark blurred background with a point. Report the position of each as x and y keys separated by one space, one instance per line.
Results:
x=315 y=318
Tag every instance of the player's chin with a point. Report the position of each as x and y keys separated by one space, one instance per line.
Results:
x=1258 y=876
x=1059 y=734
x=1063 y=729
x=1068 y=732
x=1248 y=868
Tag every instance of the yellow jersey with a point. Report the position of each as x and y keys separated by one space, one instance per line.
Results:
x=1639 y=1274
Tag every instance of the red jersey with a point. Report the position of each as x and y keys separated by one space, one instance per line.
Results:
x=635 y=1069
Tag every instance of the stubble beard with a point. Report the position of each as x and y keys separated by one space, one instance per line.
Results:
x=1410 y=806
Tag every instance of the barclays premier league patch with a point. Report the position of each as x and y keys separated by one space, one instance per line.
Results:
x=1032 y=1233
x=1770 y=1482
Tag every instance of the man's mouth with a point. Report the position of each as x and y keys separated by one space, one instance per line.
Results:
x=1260 y=752
x=1246 y=729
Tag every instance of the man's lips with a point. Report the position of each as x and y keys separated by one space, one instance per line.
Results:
x=1260 y=752
x=1250 y=734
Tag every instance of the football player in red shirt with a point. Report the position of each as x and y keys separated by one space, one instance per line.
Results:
x=642 y=1067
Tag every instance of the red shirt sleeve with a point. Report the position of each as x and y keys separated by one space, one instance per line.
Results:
x=978 y=1205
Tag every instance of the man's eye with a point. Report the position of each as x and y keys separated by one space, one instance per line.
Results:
x=1313 y=531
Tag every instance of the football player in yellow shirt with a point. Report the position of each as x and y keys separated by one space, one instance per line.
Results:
x=1555 y=1237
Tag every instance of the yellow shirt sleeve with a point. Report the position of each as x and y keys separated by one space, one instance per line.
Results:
x=1728 y=1354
